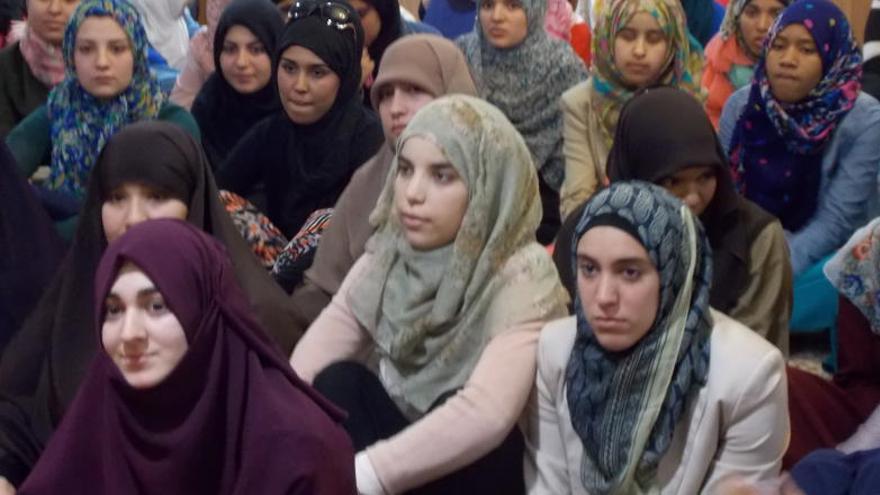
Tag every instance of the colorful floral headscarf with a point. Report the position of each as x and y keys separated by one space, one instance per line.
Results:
x=684 y=60
x=776 y=148
x=81 y=123
x=855 y=272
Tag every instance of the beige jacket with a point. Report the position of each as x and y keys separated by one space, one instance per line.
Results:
x=738 y=423
x=584 y=148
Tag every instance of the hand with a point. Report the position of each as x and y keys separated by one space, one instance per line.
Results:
x=367 y=66
x=6 y=487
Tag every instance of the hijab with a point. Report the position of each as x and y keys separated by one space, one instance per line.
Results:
x=224 y=115
x=80 y=123
x=201 y=429
x=431 y=313
x=684 y=61
x=391 y=29
x=776 y=149
x=43 y=59
x=855 y=272
x=58 y=338
x=700 y=16
x=625 y=405
x=650 y=146
x=525 y=82
x=166 y=28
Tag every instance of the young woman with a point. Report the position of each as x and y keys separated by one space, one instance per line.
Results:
x=414 y=71
x=844 y=413
x=733 y=52
x=804 y=141
x=192 y=396
x=107 y=86
x=303 y=157
x=449 y=296
x=243 y=91
x=523 y=72
x=636 y=43
x=646 y=389
x=751 y=272
x=31 y=66
x=148 y=170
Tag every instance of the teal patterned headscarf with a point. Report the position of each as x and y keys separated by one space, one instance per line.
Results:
x=625 y=405
x=81 y=123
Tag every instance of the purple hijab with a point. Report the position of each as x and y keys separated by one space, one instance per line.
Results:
x=232 y=418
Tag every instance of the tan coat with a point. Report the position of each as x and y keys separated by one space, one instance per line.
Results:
x=584 y=148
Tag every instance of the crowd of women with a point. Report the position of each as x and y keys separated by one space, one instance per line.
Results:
x=316 y=247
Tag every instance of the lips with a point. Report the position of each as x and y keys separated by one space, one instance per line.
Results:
x=785 y=77
x=412 y=222
x=497 y=32
x=134 y=362
x=609 y=323
x=637 y=67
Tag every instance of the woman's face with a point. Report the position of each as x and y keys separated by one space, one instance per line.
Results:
x=102 y=57
x=48 y=18
x=755 y=22
x=398 y=102
x=132 y=203
x=794 y=66
x=504 y=22
x=618 y=285
x=430 y=197
x=306 y=84
x=244 y=62
x=140 y=333
x=370 y=20
x=694 y=186
x=640 y=51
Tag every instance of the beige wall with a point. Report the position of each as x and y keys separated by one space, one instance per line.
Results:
x=857 y=12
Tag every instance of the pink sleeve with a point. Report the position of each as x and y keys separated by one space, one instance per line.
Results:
x=193 y=76
x=335 y=335
x=469 y=424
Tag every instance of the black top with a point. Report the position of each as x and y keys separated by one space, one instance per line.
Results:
x=20 y=91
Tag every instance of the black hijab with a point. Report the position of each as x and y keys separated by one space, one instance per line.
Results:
x=305 y=167
x=224 y=115
x=661 y=131
x=47 y=359
x=391 y=29
x=30 y=249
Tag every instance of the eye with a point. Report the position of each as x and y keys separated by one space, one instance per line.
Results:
x=156 y=195
x=288 y=67
x=445 y=176
x=319 y=72
x=404 y=170
x=112 y=309
x=514 y=4
x=588 y=269
x=385 y=92
x=655 y=37
x=750 y=11
x=631 y=273
x=258 y=49
x=119 y=48
x=84 y=49
x=706 y=176
x=115 y=197
x=156 y=305
x=229 y=48
x=487 y=5
x=669 y=182
x=808 y=49
x=627 y=34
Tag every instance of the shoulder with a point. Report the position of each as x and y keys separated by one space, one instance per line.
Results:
x=179 y=115
x=414 y=27
x=577 y=96
x=739 y=357
x=739 y=98
x=554 y=346
x=863 y=117
x=10 y=55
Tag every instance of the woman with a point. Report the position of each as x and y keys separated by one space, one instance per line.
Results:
x=449 y=296
x=751 y=272
x=646 y=389
x=148 y=170
x=166 y=30
x=33 y=65
x=200 y=57
x=636 y=44
x=844 y=412
x=733 y=52
x=414 y=71
x=243 y=91
x=804 y=141
x=213 y=405
x=107 y=86
x=304 y=156
x=523 y=72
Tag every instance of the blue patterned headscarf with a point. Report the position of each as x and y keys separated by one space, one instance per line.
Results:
x=776 y=149
x=625 y=405
x=81 y=123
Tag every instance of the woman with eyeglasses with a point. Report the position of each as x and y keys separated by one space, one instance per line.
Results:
x=302 y=158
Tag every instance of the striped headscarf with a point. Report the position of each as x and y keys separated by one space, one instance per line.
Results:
x=80 y=123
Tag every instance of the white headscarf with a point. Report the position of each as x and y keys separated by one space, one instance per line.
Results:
x=166 y=28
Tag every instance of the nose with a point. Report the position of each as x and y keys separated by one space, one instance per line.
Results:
x=764 y=22
x=790 y=57
x=135 y=214
x=103 y=58
x=497 y=11
x=691 y=198
x=397 y=106
x=133 y=334
x=301 y=84
x=639 y=47
x=415 y=189
x=606 y=292
x=54 y=6
x=242 y=59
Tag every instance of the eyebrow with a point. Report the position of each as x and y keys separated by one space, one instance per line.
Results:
x=618 y=262
x=306 y=66
x=797 y=38
x=141 y=294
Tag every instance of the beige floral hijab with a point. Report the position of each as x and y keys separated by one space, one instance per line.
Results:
x=432 y=313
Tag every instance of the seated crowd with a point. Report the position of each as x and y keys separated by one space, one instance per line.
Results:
x=522 y=247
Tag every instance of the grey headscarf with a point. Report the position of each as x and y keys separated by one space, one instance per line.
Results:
x=525 y=82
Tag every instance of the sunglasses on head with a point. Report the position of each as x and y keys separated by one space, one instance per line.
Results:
x=335 y=14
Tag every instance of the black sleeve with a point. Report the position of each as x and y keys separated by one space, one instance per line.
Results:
x=242 y=171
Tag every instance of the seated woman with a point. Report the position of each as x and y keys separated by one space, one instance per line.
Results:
x=415 y=70
x=751 y=272
x=169 y=27
x=449 y=295
x=33 y=65
x=733 y=52
x=838 y=413
x=804 y=143
x=148 y=170
x=304 y=156
x=521 y=70
x=107 y=86
x=199 y=63
x=192 y=396
x=646 y=389
x=243 y=91
x=636 y=44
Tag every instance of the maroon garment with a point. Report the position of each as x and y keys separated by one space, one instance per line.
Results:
x=824 y=413
x=232 y=418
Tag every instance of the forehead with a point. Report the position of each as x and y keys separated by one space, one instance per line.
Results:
x=129 y=280
x=302 y=56
x=643 y=20
x=795 y=33
x=241 y=34
x=420 y=150
x=100 y=28
x=595 y=244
